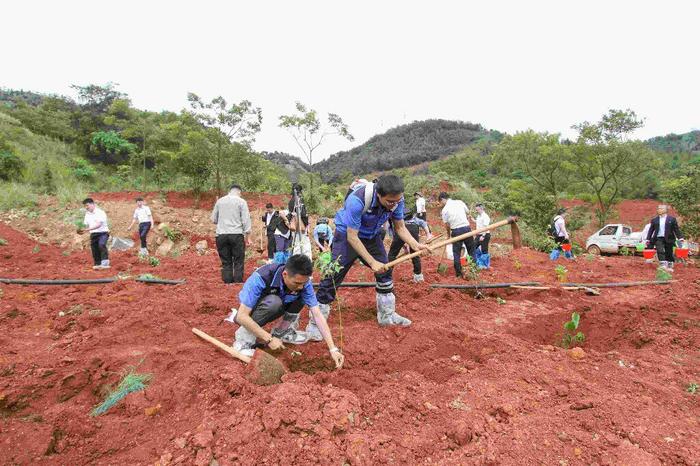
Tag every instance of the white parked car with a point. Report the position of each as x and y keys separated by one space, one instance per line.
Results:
x=612 y=238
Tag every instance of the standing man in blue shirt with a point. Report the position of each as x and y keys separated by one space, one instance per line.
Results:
x=274 y=291
x=357 y=236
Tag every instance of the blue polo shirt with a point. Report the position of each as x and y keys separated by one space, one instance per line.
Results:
x=255 y=286
x=368 y=224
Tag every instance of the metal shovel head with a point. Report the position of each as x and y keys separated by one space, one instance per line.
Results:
x=121 y=244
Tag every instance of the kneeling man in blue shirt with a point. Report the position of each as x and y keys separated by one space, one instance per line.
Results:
x=274 y=291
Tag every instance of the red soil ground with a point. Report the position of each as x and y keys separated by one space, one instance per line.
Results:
x=472 y=381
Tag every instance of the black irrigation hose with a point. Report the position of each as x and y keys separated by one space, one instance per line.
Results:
x=482 y=285
x=29 y=281
x=160 y=281
x=617 y=284
x=353 y=285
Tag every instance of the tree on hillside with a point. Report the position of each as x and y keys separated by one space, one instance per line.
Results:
x=604 y=161
x=539 y=156
x=683 y=193
x=308 y=132
x=88 y=119
x=226 y=124
x=11 y=166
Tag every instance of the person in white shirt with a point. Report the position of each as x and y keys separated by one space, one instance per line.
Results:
x=482 y=221
x=560 y=233
x=95 y=222
x=142 y=214
x=421 y=212
x=455 y=214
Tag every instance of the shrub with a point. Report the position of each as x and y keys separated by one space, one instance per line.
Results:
x=16 y=196
x=83 y=170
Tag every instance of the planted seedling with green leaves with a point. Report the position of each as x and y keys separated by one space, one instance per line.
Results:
x=153 y=261
x=561 y=272
x=36 y=249
x=172 y=234
x=571 y=337
x=663 y=274
x=328 y=268
x=3 y=242
x=692 y=388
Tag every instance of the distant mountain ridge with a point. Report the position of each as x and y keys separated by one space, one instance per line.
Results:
x=686 y=142
x=291 y=163
x=406 y=145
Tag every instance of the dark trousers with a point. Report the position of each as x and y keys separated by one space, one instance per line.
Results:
x=398 y=243
x=561 y=240
x=270 y=245
x=323 y=240
x=270 y=308
x=98 y=245
x=342 y=249
x=231 y=249
x=457 y=248
x=281 y=243
x=484 y=243
x=664 y=250
x=144 y=228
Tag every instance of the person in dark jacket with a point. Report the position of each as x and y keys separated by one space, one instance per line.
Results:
x=270 y=219
x=663 y=233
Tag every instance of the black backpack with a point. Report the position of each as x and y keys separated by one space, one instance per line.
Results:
x=552 y=231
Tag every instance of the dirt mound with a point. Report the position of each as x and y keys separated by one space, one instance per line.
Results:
x=475 y=381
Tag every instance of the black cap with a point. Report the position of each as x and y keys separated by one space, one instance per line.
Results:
x=443 y=195
x=235 y=186
x=561 y=211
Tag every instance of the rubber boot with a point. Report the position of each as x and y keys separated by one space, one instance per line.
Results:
x=312 y=331
x=386 y=311
x=418 y=277
x=243 y=341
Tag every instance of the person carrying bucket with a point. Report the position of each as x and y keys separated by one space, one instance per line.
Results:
x=663 y=233
x=560 y=235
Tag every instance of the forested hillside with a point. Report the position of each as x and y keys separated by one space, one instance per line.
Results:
x=686 y=142
x=406 y=145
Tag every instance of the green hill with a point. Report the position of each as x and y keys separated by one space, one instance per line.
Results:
x=686 y=142
x=406 y=145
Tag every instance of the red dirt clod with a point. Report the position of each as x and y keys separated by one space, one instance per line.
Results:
x=265 y=369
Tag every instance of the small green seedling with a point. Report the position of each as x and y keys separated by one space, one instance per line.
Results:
x=153 y=261
x=472 y=270
x=172 y=234
x=148 y=276
x=625 y=252
x=663 y=274
x=3 y=241
x=692 y=388
x=561 y=272
x=590 y=257
x=517 y=265
x=570 y=338
x=36 y=249
x=132 y=382
x=500 y=300
x=326 y=266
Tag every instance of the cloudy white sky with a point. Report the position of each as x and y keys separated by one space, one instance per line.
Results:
x=509 y=65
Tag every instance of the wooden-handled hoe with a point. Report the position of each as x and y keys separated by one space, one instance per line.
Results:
x=514 y=230
x=262 y=369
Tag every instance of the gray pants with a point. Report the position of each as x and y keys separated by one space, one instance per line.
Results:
x=268 y=309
